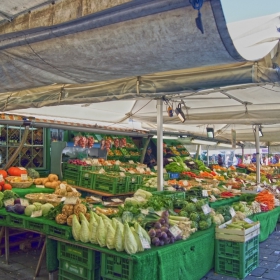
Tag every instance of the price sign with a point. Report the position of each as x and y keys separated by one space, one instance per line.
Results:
x=232 y=212
x=106 y=203
x=122 y=174
x=229 y=188
x=155 y=167
x=74 y=190
x=204 y=193
x=62 y=186
x=117 y=200
x=122 y=169
x=24 y=202
x=145 y=243
x=158 y=213
x=9 y=202
x=175 y=231
x=70 y=200
x=131 y=161
x=101 y=171
x=131 y=172
x=24 y=177
x=248 y=220
x=206 y=209
x=37 y=213
x=40 y=186
x=145 y=211
x=148 y=169
x=1 y=178
x=95 y=198
x=194 y=200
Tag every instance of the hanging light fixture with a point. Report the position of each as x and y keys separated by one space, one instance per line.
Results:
x=210 y=132
x=180 y=113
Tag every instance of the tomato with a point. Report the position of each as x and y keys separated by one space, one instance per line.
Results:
x=3 y=173
x=7 y=187
x=2 y=183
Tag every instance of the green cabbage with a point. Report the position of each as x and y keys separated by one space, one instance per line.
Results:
x=93 y=232
x=76 y=228
x=110 y=237
x=101 y=233
x=46 y=208
x=83 y=218
x=92 y=217
x=84 y=232
x=29 y=209
x=119 y=237
x=127 y=217
x=130 y=244
x=140 y=247
x=143 y=193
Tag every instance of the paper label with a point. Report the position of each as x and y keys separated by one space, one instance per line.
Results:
x=73 y=189
x=159 y=213
x=40 y=186
x=229 y=188
x=232 y=212
x=1 y=178
x=21 y=168
x=9 y=202
x=145 y=243
x=131 y=172
x=70 y=200
x=131 y=161
x=213 y=198
x=37 y=213
x=206 y=209
x=145 y=211
x=62 y=186
x=155 y=167
x=122 y=174
x=106 y=203
x=191 y=162
x=248 y=220
x=88 y=162
x=101 y=171
x=122 y=169
x=133 y=180
x=23 y=177
x=194 y=200
x=95 y=198
x=148 y=169
x=204 y=193
x=116 y=200
x=24 y=202
x=175 y=231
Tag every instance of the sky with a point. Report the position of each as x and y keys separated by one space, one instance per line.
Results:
x=249 y=9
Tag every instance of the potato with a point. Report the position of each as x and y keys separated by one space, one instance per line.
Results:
x=53 y=177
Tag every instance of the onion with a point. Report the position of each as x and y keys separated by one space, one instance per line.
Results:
x=161 y=243
x=162 y=221
x=158 y=233
x=167 y=241
x=155 y=240
x=163 y=236
x=157 y=225
x=152 y=233
x=164 y=229
x=178 y=237
x=172 y=240
x=165 y=214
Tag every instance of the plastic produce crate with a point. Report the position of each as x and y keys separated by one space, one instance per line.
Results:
x=76 y=168
x=36 y=225
x=81 y=256
x=16 y=221
x=61 y=231
x=72 y=177
x=86 y=179
x=73 y=271
x=4 y=219
x=115 y=267
x=242 y=170
x=236 y=250
x=175 y=194
x=236 y=268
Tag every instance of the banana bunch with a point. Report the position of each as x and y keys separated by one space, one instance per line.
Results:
x=239 y=225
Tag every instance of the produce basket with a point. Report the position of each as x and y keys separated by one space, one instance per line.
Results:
x=19 y=185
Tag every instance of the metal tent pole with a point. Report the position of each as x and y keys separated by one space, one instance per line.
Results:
x=159 y=145
x=258 y=171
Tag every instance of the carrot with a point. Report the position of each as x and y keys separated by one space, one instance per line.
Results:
x=266 y=198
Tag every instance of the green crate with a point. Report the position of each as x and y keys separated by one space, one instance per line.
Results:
x=77 y=168
x=134 y=158
x=236 y=268
x=236 y=250
x=86 y=179
x=148 y=189
x=175 y=194
x=16 y=221
x=79 y=255
x=242 y=170
x=116 y=267
x=113 y=167
x=61 y=231
x=36 y=225
x=71 y=271
x=4 y=219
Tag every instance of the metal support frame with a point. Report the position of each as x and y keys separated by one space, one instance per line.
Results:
x=257 y=138
x=159 y=145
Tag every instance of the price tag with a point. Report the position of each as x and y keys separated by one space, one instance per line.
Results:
x=145 y=211
x=101 y=171
x=213 y=198
x=88 y=162
x=21 y=168
x=40 y=186
x=95 y=198
x=131 y=161
x=73 y=189
x=122 y=174
x=106 y=203
x=225 y=187
x=37 y=213
x=158 y=213
x=1 y=178
x=155 y=167
x=170 y=159
x=194 y=200
x=122 y=169
x=62 y=186
x=131 y=172
x=206 y=209
x=145 y=243
x=232 y=212
x=24 y=177
x=9 y=202
x=116 y=200
x=147 y=169
x=133 y=180
x=204 y=193
x=229 y=188
x=191 y=162
x=24 y=202
x=248 y=220
x=175 y=231
x=70 y=200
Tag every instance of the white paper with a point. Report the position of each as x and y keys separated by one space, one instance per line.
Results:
x=232 y=212
x=95 y=198
x=145 y=243
x=37 y=213
x=70 y=200
x=158 y=213
x=206 y=209
x=9 y=201
x=131 y=161
x=24 y=177
x=24 y=202
x=145 y=211
x=116 y=200
x=122 y=174
x=213 y=198
x=194 y=199
x=175 y=231
x=204 y=193
x=40 y=186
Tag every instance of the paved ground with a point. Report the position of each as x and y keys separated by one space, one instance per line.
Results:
x=23 y=264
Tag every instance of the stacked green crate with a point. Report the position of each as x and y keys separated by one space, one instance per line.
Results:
x=72 y=173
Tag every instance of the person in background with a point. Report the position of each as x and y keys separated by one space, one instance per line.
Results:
x=220 y=160
x=254 y=159
x=150 y=159
x=246 y=160
x=167 y=156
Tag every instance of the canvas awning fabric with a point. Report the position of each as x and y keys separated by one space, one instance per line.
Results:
x=111 y=66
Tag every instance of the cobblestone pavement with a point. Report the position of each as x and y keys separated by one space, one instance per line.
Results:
x=269 y=261
x=22 y=264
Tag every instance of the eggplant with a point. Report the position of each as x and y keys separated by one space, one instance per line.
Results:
x=19 y=209
x=17 y=201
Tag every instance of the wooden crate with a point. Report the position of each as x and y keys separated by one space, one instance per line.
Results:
x=238 y=235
